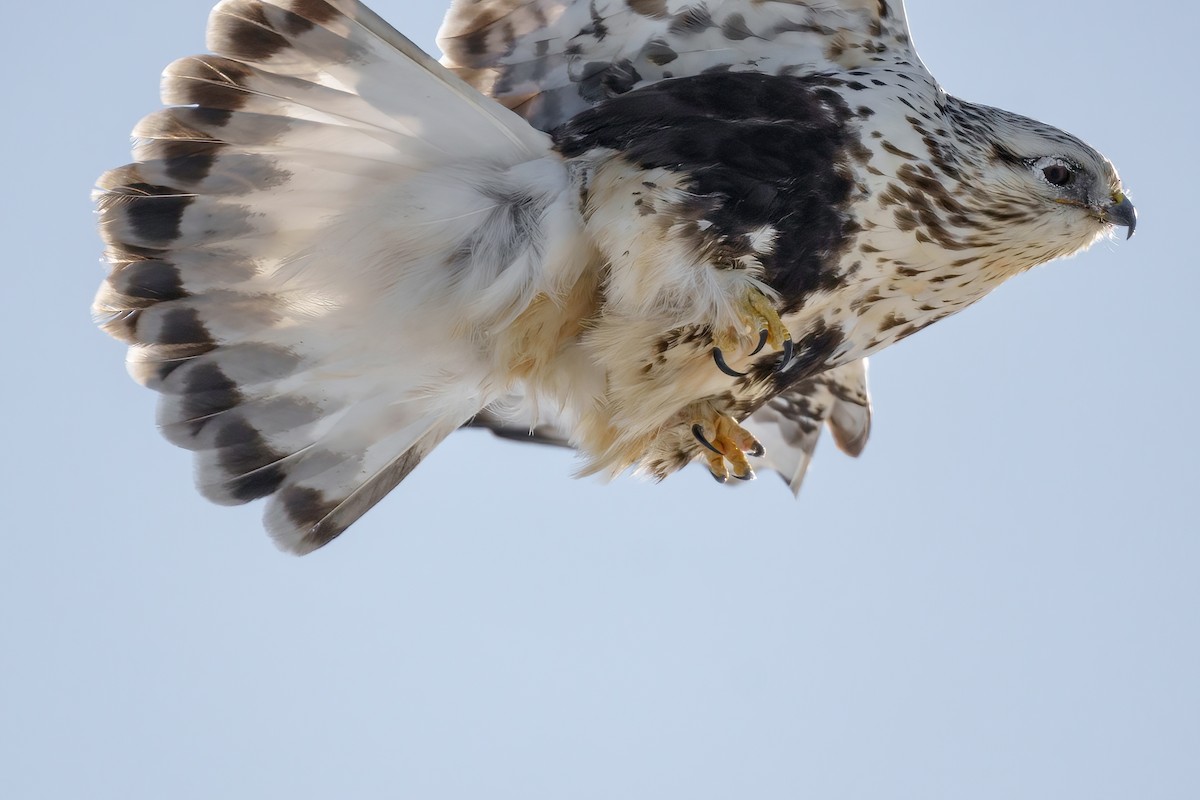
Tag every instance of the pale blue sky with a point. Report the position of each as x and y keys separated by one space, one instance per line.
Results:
x=998 y=600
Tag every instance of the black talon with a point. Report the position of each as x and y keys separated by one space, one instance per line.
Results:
x=698 y=432
x=786 y=359
x=718 y=478
x=749 y=476
x=758 y=451
x=762 y=342
x=719 y=358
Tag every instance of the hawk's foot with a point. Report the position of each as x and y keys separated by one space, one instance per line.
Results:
x=727 y=443
x=755 y=313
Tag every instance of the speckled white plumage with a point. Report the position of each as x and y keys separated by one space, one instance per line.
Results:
x=330 y=252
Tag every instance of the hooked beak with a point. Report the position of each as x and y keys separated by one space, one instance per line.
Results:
x=1121 y=212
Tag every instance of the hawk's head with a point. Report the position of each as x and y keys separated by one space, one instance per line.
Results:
x=1058 y=190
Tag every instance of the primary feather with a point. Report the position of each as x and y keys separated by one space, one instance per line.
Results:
x=331 y=252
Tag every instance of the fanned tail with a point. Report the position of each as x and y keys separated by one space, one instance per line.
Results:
x=310 y=251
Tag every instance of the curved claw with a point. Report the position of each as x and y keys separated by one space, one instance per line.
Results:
x=762 y=341
x=758 y=451
x=719 y=358
x=749 y=476
x=698 y=432
x=788 y=348
x=718 y=478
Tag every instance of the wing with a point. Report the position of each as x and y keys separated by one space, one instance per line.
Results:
x=789 y=425
x=550 y=59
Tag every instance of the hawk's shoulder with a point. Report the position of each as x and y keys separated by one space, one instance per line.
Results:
x=550 y=59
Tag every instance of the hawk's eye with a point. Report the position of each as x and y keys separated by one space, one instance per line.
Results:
x=1057 y=174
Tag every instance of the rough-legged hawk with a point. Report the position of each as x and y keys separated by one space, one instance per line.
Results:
x=658 y=231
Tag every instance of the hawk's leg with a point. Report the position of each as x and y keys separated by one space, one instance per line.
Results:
x=755 y=314
x=726 y=443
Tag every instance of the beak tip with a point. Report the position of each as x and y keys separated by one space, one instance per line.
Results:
x=1122 y=213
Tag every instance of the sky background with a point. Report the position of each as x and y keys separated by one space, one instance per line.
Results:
x=998 y=600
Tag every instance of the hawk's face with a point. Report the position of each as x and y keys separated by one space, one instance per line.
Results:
x=1059 y=191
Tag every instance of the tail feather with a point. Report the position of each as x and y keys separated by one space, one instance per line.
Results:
x=343 y=46
x=200 y=134
x=313 y=510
